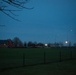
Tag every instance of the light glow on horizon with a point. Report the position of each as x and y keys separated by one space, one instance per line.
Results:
x=46 y=45
x=66 y=42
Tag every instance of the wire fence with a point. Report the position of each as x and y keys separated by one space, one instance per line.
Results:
x=26 y=57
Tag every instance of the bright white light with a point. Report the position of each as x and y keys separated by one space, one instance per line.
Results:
x=46 y=44
x=66 y=42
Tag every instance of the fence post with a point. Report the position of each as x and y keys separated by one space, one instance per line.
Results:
x=23 y=59
x=60 y=56
x=44 y=57
x=70 y=54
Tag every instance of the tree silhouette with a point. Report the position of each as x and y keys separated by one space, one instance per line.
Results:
x=74 y=44
x=30 y=44
x=17 y=42
x=8 y=7
x=25 y=44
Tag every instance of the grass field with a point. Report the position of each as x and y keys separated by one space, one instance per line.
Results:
x=59 y=68
x=15 y=57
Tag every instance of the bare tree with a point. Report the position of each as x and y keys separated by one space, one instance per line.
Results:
x=17 y=42
x=30 y=44
x=8 y=7
x=25 y=44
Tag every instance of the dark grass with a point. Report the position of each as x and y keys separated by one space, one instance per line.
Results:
x=21 y=57
x=58 y=68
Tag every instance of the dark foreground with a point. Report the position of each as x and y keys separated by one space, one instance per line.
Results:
x=38 y=61
x=60 y=68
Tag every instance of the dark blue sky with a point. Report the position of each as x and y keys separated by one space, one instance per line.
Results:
x=49 y=21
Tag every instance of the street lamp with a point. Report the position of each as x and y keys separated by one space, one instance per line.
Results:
x=46 y=45
x=67 y=43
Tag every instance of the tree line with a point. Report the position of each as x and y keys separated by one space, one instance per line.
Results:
x=18 y=43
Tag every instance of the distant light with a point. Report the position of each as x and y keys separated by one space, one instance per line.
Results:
x=46 y=45
x=66 y=42
x=71 y=30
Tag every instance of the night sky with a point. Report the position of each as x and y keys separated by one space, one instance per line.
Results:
x=48 y=22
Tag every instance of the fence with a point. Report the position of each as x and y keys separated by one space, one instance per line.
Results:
x=11 y=58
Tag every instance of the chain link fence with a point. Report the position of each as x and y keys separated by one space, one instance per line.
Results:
x=21 y=57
